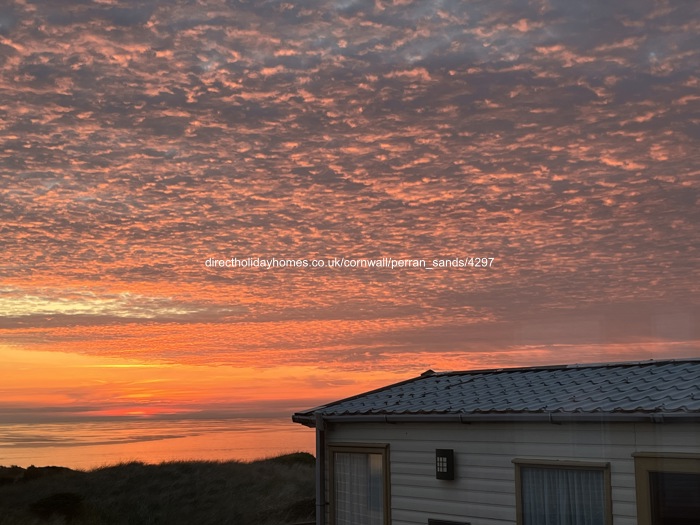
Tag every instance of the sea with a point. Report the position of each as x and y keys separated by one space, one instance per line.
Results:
x=88 y=445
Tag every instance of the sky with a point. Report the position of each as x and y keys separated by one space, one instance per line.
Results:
x=551 y=146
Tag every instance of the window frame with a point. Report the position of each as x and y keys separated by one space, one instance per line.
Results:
x=557 y=464
x=646 y=462
x=360 y=448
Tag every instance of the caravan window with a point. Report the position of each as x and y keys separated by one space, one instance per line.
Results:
x=668 y=488
x=359 y=488
x=562 y=493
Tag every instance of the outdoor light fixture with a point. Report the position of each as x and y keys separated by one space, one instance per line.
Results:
x=444 y=463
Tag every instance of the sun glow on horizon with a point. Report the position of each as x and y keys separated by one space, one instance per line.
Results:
x=57 y=384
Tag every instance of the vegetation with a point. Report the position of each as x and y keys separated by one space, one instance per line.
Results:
x=273 y=491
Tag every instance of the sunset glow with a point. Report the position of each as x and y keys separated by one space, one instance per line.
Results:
x=58 y=386
x=557 y=140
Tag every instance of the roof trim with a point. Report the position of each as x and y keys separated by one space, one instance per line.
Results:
x=570 y=366
x=309 y=420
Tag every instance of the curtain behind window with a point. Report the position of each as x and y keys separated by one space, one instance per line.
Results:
x=358 y=489
x=552 y=496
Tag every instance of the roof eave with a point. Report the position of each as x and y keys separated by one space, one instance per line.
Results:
x=309 y=419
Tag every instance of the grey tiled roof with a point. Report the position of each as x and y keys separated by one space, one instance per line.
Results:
x=654 y=387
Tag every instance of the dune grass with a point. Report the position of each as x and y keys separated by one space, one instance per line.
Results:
x=275 y=491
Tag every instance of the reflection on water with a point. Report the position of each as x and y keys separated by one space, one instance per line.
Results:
x=91 y=444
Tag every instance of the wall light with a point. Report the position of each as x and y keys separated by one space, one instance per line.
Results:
x=444 y=463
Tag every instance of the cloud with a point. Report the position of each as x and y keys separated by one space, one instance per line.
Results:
x=139 y=139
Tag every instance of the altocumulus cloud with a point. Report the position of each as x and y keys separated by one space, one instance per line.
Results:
x=140 y=138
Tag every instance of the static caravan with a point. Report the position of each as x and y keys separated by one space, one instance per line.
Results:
x=603 y=444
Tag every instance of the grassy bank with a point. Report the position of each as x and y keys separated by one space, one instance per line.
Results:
x=274 y=491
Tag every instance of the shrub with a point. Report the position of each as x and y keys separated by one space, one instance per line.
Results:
x=274 y=491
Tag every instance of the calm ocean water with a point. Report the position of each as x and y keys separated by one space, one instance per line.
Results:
x=87 y=445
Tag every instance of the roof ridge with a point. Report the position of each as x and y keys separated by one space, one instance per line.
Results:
x=571 y=366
